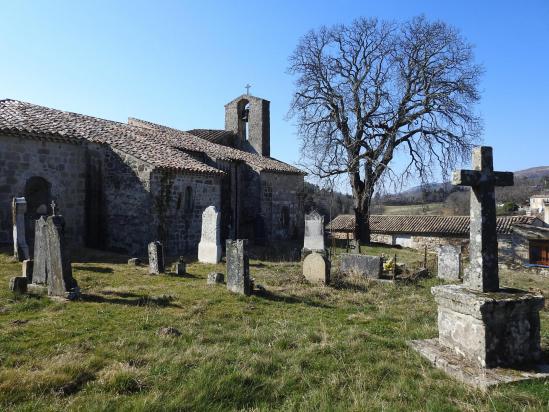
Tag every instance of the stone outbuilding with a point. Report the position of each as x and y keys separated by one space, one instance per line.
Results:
x=122 y=185
x=418 y=231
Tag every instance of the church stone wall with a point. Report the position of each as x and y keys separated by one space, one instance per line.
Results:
x=282 y=205
x=121 y=209
x=178 y=201
x=63 y=165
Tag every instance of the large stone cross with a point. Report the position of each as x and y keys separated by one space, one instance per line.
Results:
x=482 y=274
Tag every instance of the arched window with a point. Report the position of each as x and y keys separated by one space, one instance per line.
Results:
x=188 y=199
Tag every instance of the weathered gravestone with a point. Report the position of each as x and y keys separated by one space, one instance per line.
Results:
x=52 y=265
x=180 y=267
x=368 y=266
x=41 y=255
x=482 y=326
x=60 y=280
x=314 y=233
x=316 y=268
x=215 y=277
x=156 y=258
x=20 y=246
x=134 y=261
x=209 y=248
x=26 y=269
x=238 y=268
x=449 y=262
x=18 y=285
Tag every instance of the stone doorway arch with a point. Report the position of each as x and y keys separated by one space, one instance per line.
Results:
x=38 y=197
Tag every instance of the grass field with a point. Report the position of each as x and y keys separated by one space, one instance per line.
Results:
x=423 y=209
x=293 y=347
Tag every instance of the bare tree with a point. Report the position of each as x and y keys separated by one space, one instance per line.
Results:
x=368 y=91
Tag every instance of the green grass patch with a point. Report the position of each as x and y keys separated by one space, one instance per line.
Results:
x=295 y=346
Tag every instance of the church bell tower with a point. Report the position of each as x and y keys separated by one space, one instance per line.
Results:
x=248 y=117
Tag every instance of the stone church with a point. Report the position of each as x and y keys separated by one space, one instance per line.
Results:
x=122 y=185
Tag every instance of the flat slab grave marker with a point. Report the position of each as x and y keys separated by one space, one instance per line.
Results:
x=156 y=258
x=209 y=248
x=449 y=262
x=364 y=265
x=238 y=268
x=486 y=334
x=314 y=233
x=20 y=246
x=316 y=268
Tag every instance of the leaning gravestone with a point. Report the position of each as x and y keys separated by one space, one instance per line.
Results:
x=449 y=262
x=238 y=268
x=52 y=265
x=209 y=248
x=314 y=233
x=368 y=266
x=20 y=247
x=316 y=268
x=60 y=280
x=156 y=258
x=481 y=326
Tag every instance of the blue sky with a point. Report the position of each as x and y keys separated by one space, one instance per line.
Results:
x=178 y=62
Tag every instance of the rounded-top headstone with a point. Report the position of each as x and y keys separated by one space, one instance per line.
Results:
x=316 y=268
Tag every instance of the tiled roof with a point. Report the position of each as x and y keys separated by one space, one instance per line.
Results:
x=426 y=225
x=532 y=232
x=27 y=119
x=186 y=141
x=155 y=144
x=210 y=134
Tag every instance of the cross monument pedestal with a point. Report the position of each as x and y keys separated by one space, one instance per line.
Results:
x=485 y=330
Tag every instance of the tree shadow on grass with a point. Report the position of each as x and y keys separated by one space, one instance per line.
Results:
x=96 y=269
x=129 y=299
x=268 y=295
x=185 y=276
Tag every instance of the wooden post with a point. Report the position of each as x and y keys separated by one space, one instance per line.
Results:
x=425 y=258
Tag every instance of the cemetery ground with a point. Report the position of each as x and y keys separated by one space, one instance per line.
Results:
x=293 y=346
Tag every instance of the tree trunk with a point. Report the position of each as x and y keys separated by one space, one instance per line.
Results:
x=362 y=223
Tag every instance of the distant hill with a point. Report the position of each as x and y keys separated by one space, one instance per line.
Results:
x=527 y=182
x=533 y=172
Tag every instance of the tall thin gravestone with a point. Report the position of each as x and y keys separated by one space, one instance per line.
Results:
x=238 y=268
x=20 y=246
x=41 y=255
x=209 y=248
x=314 y=233
x=156 y=258
x=482 y=326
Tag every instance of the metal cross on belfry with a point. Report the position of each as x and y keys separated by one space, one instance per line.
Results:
x=247 y=87
x=482 y=274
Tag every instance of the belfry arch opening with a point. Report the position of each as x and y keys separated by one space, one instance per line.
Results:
x=243 y=117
